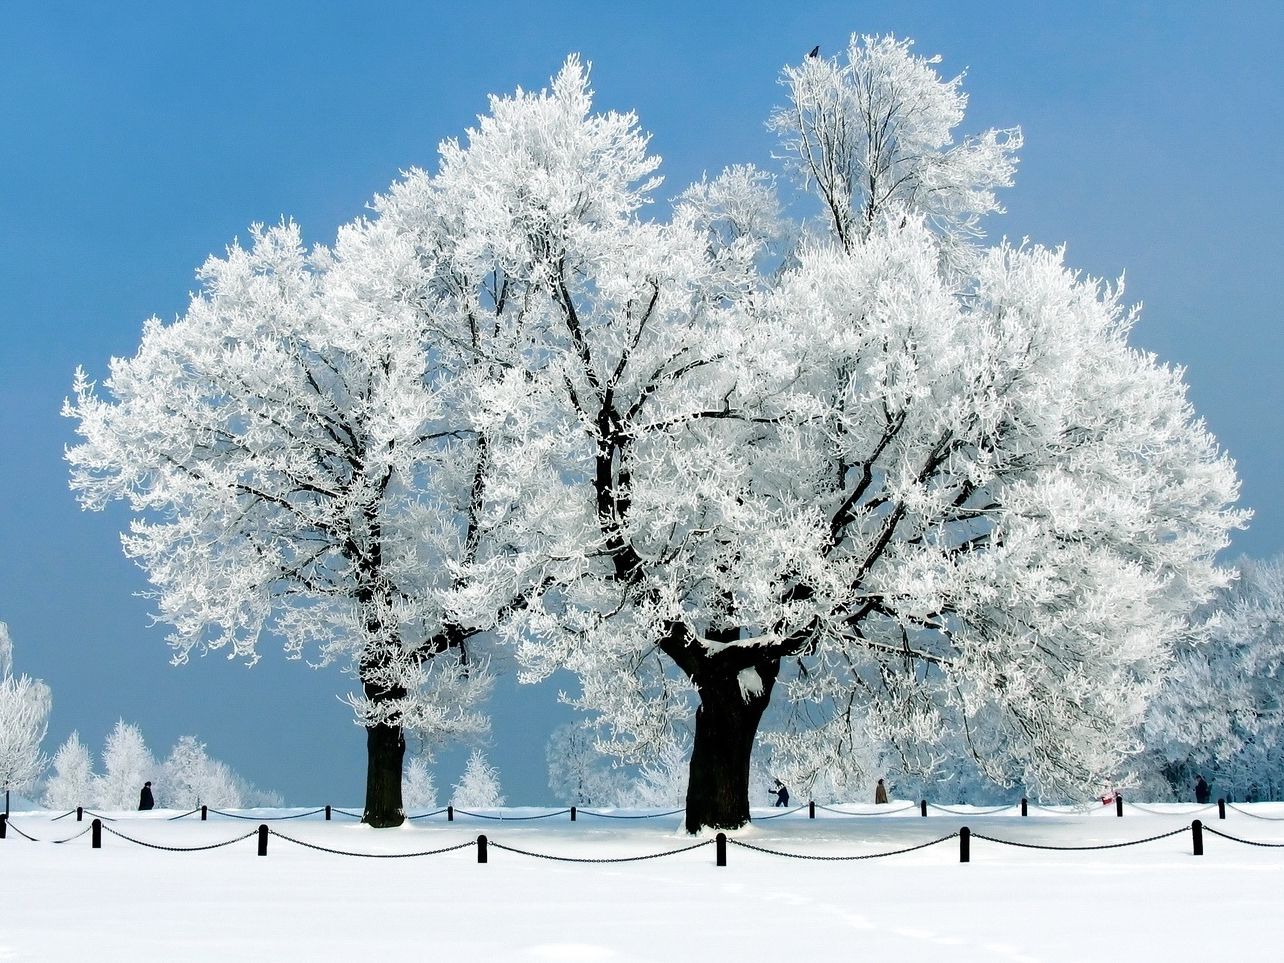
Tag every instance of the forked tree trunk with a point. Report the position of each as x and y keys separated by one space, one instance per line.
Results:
x=385 y=752
x=726 y=723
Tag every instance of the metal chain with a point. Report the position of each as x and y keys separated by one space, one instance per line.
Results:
x=425 y=815
x=263 y=819
x=342 y=852
x=344 y=812
x=881 y=812
x=1135 y=842
x=974 y=812
x=1160 y=812
x=1274 y=819
x=510 y=819
x=582 y=859
x=185 y=815
x=787 y=812
x=589 y=812
x=54 y=841
x=1246 y=842
x=107 y=819
x=895 y=852
x=1072 y=811
x=179 y=849
x=70 y=838
x=21 y=833
x=63 y=816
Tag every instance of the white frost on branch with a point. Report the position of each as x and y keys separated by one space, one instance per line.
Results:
x=25 y=704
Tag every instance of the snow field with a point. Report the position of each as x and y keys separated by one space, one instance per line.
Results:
x=70 y=902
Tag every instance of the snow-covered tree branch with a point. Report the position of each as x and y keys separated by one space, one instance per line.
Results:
x=24 y=719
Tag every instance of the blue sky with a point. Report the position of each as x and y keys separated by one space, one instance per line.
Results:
x=141 y=137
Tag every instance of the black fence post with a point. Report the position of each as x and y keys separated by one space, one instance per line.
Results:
x=811 y=809
x=720 y=847
x=263 y=835
x=1221 y=809
x=327 y=812
x=572 y=814
x=80 y=813
x=481 y=848
x=96 y=836
x=922 y=808
x=205 y=813
x=450 y=814
x=965 y=845
x=1119 y=805
x=1025 y=806
x=4 y=825
x=1197 y=837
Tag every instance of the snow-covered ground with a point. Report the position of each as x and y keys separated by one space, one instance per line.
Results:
x=1145 y=902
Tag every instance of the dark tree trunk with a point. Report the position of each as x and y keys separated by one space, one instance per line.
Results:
x=725 y=726
x=385 y=752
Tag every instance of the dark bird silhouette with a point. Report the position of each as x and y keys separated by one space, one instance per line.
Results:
x=815 y=51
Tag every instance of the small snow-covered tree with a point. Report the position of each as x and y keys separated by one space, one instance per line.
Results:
x=478 y=787
x=24 y=720
x=662 y=779
x=417 y=786
x=1219 y=711
x=190 y=778
x=578 y=774
x=72 y=782
x=127 y=765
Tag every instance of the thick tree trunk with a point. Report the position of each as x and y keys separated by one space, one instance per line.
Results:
x=385 y=752
x=726 y=723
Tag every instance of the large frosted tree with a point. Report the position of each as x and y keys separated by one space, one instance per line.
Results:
x=299 y=454
x=913 y=485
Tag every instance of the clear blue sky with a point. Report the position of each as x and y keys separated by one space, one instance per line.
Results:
x=140 y=137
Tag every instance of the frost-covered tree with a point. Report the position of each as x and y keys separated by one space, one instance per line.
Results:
x=578 y=774
x=417 y=786
x=24 y=719
x=1219 y=711
x=300 y=452
x=190 y=778
x=662 y=779
x=478 y=787
x=127 y=765
x=924 y=495
x=72 y=782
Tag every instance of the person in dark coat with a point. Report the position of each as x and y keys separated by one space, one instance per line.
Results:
x=880 y=793
x=782 y=793
x=145 y=799
x=1201 y=789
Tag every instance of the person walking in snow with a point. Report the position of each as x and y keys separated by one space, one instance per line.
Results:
x=782 y=793
x=145 y=798
x=880 y=793
x=1201 y=790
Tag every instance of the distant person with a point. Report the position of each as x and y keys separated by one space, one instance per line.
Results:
x=782 y=793
x=880 y=793
x=1201 y=789
x=145 y=798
